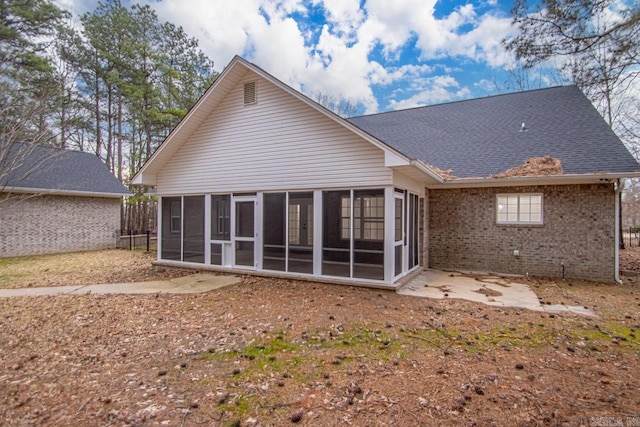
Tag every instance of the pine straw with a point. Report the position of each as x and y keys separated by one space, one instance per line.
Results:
x=273 y=351
x=444 y=174
x=535 y=166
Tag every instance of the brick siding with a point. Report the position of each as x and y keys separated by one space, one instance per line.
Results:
x=54 y=224
x=578 y=231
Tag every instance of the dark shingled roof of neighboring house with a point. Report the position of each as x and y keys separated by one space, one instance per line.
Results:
x=60 y=171
x=483 y=137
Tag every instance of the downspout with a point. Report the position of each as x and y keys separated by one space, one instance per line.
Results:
x=618 y=187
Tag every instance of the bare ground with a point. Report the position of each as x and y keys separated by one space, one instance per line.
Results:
x=280 y=352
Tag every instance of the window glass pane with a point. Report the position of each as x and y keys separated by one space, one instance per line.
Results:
x=220 y=217
x=399 y=220
x=414 y=231
x=336 y=256
x=193 y=237
x=536 y=203
x=398 y=259
x=244 y=219
x=300 y=233
x=216 y=253
x=368 y=262
x=171 y=236
x=274 y=232
x=294 y=224
x=244 y=253
x=345 y=203
x=310 y=225
x=176 y=215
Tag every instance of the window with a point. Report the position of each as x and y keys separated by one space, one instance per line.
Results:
x=182 y=228
x=519 y=209
x=171 y=237
x=399 y=220
x=176 y=220
x=345 y=217
x=294 y=224
x=220 y=217
x=368 y=217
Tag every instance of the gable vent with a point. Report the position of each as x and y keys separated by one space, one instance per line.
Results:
x=250 y=93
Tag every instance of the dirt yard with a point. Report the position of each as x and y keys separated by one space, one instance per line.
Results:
x=279 y=352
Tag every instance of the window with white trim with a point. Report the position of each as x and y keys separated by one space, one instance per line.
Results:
x=524 y=208
x=368 y=217
x=176 y=216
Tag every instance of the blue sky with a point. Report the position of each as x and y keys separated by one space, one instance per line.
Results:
x=381 y=54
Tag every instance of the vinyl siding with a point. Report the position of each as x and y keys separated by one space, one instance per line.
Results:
x=277 y=143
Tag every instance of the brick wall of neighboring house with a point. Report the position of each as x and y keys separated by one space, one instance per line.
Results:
x=53 y=224
x=578 y=231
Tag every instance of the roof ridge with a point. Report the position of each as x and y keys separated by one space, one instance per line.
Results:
x=458 y=101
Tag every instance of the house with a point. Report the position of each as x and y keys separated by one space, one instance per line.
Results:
x=54 y=200
x=259 y=178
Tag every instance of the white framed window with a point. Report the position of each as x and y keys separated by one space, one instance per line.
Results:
x=523 y=208
x=368 y=217
x=176 y=217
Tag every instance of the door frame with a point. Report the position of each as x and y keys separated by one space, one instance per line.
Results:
x=403 y=241
x=234 y=238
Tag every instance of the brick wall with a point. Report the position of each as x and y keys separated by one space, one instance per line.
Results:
x=578 y=231
x=52 y=224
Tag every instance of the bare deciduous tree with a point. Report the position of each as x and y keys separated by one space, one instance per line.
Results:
x=341 y=106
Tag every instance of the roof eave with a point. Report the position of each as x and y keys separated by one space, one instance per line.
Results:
x=58 y=192
x=424 y=168
x=565 y=179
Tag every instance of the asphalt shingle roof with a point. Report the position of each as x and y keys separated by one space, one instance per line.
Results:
x=53 y=169
x=483 y=137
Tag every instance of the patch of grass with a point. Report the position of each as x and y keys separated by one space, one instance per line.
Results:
x=239 y=406
x=4 y=262
x=611 y=332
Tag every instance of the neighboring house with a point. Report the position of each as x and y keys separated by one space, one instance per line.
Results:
x=54 y=200
x=259 y=178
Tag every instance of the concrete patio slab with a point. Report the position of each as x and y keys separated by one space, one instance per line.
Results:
x=197 y=283
x=484 y=288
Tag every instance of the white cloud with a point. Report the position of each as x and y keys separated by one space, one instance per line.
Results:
x=223 y=31
x=344 y=15
x=483 y=43
x=435 y=90
x=342 y=58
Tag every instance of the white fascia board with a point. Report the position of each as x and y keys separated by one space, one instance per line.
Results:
x=533 y=180
x=427 y=170
x=142 y=178
x=54 y=192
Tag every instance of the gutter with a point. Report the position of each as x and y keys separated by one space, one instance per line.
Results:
x=533 y=180
x=619 y=186
x=58 y=192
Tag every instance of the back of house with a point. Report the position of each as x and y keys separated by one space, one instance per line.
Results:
x=259 y=178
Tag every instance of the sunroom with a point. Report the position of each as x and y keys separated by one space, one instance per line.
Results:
x=356 y=235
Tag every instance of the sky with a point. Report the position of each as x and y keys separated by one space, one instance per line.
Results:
x=381 y=54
